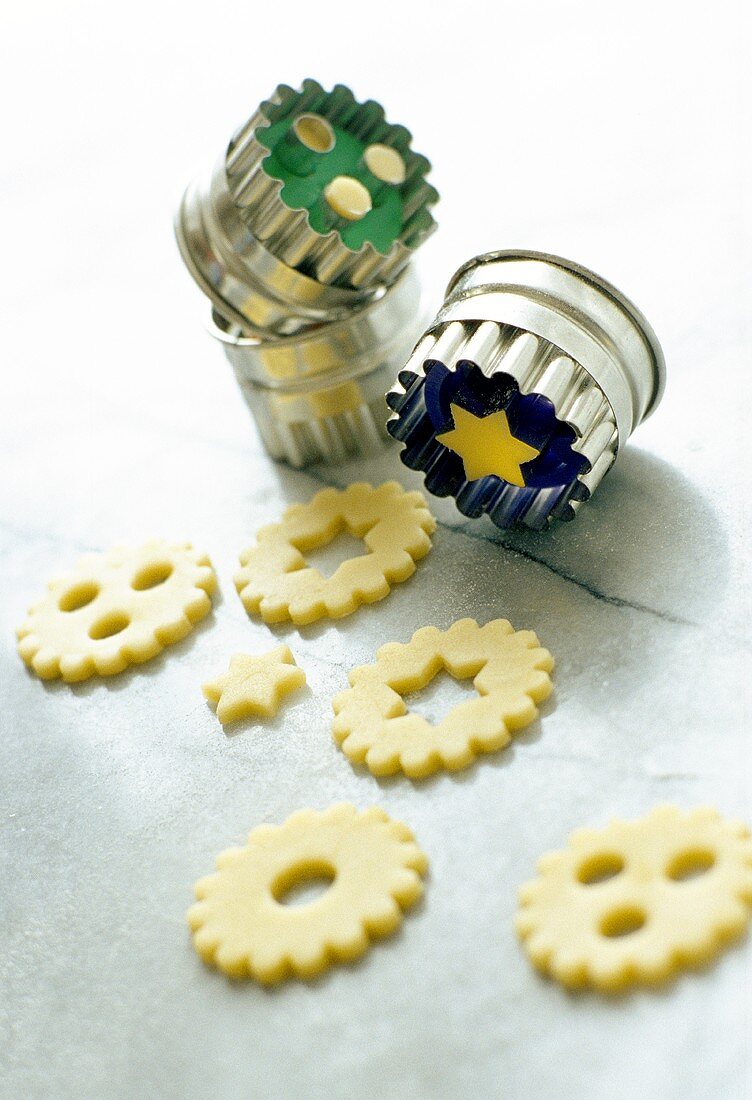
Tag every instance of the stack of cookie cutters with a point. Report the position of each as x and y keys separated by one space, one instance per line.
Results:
x=318 y=331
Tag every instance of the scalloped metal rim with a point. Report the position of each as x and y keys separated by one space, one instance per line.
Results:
x=287 y=232
x=601 y=284
x=442 y=345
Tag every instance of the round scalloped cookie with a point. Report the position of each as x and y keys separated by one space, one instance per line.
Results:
x=638 y=901
x=242 y=925
x=116 y=609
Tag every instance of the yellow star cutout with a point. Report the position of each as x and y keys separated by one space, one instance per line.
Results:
x=254 y=685
x=486 y=446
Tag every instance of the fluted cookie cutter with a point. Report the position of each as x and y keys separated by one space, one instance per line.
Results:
x=302 y=238
x=518 y=396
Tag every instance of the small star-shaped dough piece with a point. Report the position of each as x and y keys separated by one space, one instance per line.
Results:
x=487 y=447
x=254 y=685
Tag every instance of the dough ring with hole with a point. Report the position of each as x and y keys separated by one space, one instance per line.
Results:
x=510 y=673
x=116 y=609
x=639 y=900
x=241 y=925
x=277 y=583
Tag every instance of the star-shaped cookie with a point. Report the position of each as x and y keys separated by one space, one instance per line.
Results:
x=254 y=685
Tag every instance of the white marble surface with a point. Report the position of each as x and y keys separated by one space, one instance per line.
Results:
x=618 y=138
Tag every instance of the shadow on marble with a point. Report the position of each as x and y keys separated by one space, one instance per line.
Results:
x=647 y=539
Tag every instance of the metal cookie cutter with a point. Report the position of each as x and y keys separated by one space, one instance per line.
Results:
x=517 y=398
x=302 y=238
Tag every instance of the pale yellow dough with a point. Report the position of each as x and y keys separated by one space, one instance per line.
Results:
x=115 y=609
x=510 y=673
x=639 y=900
x=277 y=583
x=487 y=447
x=242 y=926
x=254 y=685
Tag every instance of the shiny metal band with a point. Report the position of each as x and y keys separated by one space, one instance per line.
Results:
x=576 y=311
x=319 y=395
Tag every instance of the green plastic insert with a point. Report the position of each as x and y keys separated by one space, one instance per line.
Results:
x=305 y=175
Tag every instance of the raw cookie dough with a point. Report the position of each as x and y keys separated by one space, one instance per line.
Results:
x=510 y=673
x=639 y=900
x=115 y=609
x=277 y=583
x=242 y=926
x=254 y=685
